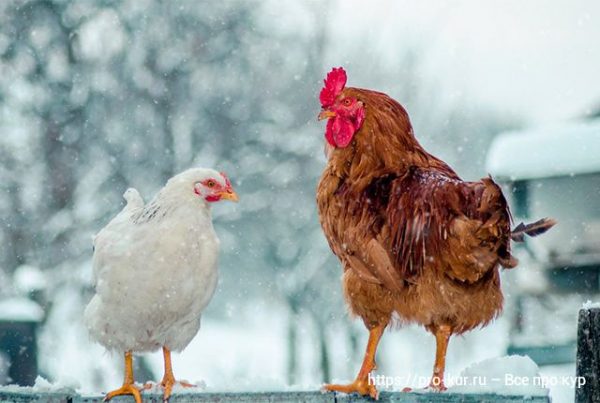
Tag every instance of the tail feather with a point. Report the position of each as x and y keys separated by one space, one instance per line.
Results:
x=133 y=198
x=533 y=229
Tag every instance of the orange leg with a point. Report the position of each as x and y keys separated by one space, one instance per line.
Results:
x=442 y=335
x=361 y=384
x=128 y=387
x=169 y=379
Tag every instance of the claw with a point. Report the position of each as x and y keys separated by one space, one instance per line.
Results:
x=167 y=385
x=361 y=387
x=169 y=379
x=126 y=389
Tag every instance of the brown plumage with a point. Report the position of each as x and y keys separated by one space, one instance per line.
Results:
x=415 y=241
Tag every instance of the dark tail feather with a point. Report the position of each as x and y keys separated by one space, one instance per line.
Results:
x=533 y=229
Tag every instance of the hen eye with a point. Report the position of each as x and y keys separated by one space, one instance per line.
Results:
x=210 y=183
x=347 y=102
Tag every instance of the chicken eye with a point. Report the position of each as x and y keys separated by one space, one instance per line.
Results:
x=210 y=183
x=347 y=102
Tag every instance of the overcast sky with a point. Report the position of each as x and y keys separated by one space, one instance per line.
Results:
x=538 y=59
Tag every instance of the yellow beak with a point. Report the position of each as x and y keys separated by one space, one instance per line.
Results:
x=230 y=195
x=326 y=114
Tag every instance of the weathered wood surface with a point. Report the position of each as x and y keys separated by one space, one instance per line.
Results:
x=306 y=397
x=37 y=397
x=588 y=355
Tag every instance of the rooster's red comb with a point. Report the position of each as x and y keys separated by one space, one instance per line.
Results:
x=334 y=84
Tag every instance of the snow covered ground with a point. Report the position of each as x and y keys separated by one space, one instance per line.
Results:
x=513 y=375
x=560 y=393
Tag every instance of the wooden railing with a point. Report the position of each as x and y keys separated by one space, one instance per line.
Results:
x=264 y=397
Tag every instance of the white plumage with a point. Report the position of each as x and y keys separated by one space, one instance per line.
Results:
x=155 y=267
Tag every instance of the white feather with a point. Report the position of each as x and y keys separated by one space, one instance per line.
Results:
x=155 y=268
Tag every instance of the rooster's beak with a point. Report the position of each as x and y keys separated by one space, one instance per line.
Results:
x=230 y=195
x=326 y=114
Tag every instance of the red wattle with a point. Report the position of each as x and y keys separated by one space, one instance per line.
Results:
x=339 y=132
x=344 y=134
x=329 y=132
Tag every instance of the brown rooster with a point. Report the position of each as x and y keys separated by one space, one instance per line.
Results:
x=416 y=242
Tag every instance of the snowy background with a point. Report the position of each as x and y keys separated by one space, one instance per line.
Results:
x=99 y=96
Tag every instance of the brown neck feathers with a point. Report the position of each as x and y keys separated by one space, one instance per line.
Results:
x=385 y=143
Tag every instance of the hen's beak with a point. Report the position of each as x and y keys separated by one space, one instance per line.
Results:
x=230 y=195
x=326 y=114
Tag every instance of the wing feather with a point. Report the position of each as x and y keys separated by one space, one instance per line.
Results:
x=116 y=232
x=440 y=222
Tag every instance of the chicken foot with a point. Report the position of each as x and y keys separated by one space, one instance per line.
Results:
x=128 y=387
x=362 y=384
x=168 y=378
x=442 y=335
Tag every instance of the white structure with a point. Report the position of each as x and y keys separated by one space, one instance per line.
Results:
x=555 y=172
x=552 y=172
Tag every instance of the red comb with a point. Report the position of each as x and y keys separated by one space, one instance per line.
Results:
x=334 y=84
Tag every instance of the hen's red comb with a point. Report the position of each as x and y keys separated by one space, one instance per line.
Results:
x=334 y=84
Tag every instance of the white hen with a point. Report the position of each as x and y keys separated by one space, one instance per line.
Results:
x=155 y=270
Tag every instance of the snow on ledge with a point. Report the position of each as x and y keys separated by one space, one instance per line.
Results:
x=507 y=376
x=589 y=304
x=560 y=150
x=20 y=310
x=42 y=385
